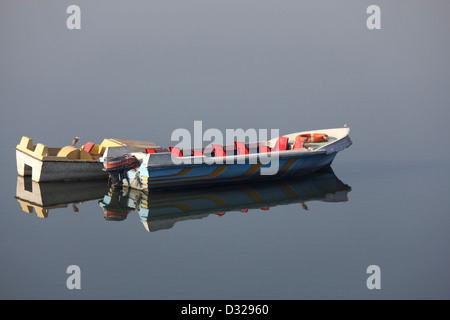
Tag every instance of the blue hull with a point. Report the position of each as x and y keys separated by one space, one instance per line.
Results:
x=203 y=174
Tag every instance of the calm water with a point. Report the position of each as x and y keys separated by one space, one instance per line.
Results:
x=388 y=214
x=141 y=71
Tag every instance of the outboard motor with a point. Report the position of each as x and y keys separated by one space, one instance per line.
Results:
x=117 y=168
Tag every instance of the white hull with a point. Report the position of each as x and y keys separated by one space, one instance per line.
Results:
x=53 y=170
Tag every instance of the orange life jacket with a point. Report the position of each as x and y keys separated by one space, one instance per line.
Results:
x=299 y=142
x=315 y=137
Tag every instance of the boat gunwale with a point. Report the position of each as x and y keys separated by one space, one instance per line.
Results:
x=58 y=159
x=186 y=161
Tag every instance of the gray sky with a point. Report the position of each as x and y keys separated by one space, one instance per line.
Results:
x=140 y=69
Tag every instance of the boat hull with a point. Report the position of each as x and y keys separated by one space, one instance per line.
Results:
x=54 y=170
x=205 y=174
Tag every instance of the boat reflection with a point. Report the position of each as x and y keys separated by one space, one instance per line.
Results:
x=160 y=210
x=45 y=196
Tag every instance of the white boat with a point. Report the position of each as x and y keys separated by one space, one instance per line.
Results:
x=44 y=163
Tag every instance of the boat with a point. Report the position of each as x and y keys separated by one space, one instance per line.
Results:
x=161 y=209
x=45 y=163
x=145 y=165
x=295 y=154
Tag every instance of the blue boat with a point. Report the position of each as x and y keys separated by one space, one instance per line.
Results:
x=294 y=154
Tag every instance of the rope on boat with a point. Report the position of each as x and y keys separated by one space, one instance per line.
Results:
x=136 y=178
